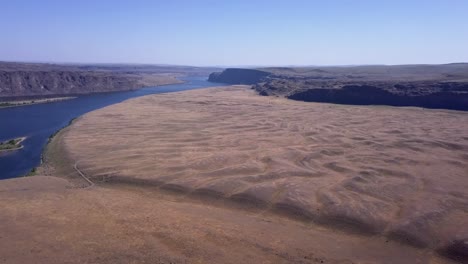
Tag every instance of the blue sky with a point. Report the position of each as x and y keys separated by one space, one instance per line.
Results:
x=230 y=33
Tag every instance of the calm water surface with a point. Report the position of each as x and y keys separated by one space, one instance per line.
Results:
x=38 y=122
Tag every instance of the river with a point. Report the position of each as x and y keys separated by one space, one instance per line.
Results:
x=37 y=122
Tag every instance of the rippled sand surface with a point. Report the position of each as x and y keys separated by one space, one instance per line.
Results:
x=397 y=172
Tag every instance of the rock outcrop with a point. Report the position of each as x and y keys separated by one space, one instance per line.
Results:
x=21 y=83
x=238 y=76
x=43 y=80
x=430 y=86
x=456 y=99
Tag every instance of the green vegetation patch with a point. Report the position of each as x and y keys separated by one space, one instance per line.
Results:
x=11 y=144
x=3 y=104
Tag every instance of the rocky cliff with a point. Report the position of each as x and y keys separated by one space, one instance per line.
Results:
x=430 y=86
x=371 y=95
x=18 y=83
x=238 y=76
x=42 y=80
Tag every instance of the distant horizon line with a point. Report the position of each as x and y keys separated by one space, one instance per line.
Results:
x=225 y=66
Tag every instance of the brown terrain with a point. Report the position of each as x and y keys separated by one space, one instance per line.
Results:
x=222 y=175
x=37 y=80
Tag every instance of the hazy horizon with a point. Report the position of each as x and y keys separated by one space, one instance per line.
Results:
x=239 y=34
x=218 y=66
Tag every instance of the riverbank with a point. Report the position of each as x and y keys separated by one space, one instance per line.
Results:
x=6 y=104
x=39 y=121
x=57 y=162
x=226 y=176
x=146 y=81
x=44 y=79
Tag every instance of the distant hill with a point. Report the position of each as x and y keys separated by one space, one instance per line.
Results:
x=431 y=86
x=43 y=79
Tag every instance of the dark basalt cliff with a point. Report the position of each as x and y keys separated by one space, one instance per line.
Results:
x=238 y=76
x=19 y=80
x=371 y=95
x=430 y=86
x=24 y=83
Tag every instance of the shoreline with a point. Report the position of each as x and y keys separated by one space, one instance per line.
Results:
x=62 y=130
x=55 y=160
x=9 y=104
x=185 y=83
x=43 y=99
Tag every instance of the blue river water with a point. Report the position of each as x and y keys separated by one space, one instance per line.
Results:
x=38 y=122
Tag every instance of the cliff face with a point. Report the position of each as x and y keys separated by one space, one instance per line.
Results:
x=369 y=95
x=430 y=86
x=42 y=80
x=24 y=83
x=238 y=76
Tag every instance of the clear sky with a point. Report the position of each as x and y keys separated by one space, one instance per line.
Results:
x=235 y=32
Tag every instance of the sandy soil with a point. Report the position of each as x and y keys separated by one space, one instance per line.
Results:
x=222 y=175
x=53 y=224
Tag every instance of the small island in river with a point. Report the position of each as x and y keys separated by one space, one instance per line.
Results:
x=12 y=144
